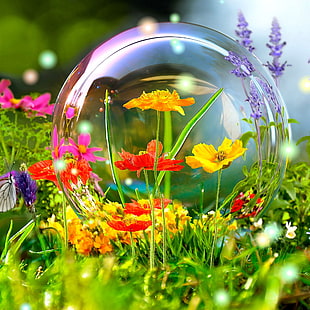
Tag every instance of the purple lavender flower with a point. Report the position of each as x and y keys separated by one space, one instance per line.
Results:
x=27 y=187
x=255 y=101
x=243 y=66
x=244 y=33
x=271 y=97
x=276 y=68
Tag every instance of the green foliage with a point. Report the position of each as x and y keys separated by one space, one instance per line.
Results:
x=22 y=139
x=293 y=201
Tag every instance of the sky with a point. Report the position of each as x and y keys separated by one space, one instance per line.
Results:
x=293 y=17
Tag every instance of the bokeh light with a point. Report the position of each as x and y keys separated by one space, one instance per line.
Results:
x=59 y=165
x=25 y=306
x=221 y=298
x=30 y=76
x=174 y=18
x=289 y=273
x=262 y=240
x=273 y=231
x=85 y=127
x=289 y=150
x=47 y=59
x=147 y=25
x=304 y=84
x=186 y=83
x=177 y=46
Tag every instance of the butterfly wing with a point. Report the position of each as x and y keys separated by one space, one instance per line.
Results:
x=7 y=194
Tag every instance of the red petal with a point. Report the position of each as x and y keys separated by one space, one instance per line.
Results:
x=138 y=225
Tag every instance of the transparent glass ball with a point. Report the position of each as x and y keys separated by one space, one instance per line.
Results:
x=165 y=78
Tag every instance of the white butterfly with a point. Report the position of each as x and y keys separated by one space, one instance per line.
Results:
x=7 y=193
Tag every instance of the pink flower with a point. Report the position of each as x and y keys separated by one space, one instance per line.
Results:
x=70 y=113
x=57 y=147
x=40 y=105
x=7 y=99
x=33 y=107
x=81 y=149
x=4 y=84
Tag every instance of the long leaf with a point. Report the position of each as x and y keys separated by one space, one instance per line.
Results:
x=188 y=128
x=21 y=235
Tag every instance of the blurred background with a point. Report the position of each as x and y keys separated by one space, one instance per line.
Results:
x=42 y=41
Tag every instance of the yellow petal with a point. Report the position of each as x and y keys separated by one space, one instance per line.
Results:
x=205 y=151
x=225 y=146
x=236 y=150
x=193 y=162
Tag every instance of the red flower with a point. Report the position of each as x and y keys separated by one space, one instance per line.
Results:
x=147 y=160
x=143 y=206
x=129 y=225
x=43 y=170
x=75 y=170
x=241 y=203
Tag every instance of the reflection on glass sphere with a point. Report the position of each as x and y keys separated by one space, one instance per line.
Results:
x=135 y=99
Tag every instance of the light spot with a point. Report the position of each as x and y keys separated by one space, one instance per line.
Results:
x=85 y=127
x=185 y=83
x=273 y=231
x=25 y=306
x=289 y=273
x=289 y=150
x=221 y=298
x=262 y=240
x=148 y=25
x=177 y=46
x=304 y=84
x=47 y=59
x=59 y=165
x=174 y=18
x=30 y=76
x=128 y=181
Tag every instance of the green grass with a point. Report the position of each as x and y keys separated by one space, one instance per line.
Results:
x=38 y=272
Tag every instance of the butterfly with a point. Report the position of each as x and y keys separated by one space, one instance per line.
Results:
x=8 y=194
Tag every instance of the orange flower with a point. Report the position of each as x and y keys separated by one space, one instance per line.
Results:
x=103 y=244
x=160 y=100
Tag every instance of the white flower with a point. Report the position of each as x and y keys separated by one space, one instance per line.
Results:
x=290 y=233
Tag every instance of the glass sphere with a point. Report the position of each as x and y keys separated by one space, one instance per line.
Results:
x=180 y=111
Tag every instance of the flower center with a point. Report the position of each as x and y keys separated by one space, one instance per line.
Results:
x=82 y=148
x=220 y=156
x=15 y=101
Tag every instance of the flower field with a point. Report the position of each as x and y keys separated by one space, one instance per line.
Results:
x=76 y=237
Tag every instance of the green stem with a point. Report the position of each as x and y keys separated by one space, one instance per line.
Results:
x=188 y=128
x=167 y=148
x=152 y=242
x=147 y=185
x=109 y=147
x=215 y=217
x=156 y=151
x=132 y=245
x=164 y=231
x=64 y=218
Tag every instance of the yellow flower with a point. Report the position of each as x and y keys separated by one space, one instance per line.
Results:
x=160 y=100
x=210 y=160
